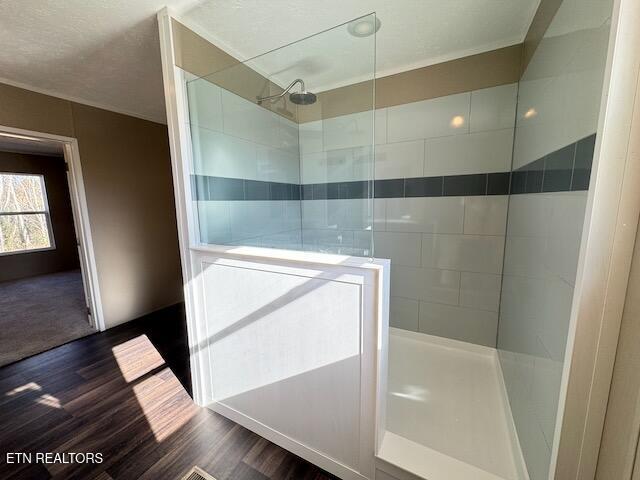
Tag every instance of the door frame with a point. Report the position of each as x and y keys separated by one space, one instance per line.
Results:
x=80 y=212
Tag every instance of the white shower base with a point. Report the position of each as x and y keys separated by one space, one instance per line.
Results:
x=447 y=413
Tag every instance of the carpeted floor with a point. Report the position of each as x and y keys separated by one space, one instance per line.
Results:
x=39 y=313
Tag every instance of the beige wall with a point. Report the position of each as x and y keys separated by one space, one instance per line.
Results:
x=475 y=72
x=127 y=176
x=202 y=58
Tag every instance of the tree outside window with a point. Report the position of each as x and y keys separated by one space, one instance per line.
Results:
x=25 y=223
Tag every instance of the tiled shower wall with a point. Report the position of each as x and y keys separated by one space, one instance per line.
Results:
x=246 y=167
x=441 y=170
x=559 y=100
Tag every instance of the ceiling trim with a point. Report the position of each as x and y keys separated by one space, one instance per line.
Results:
x=82 y=101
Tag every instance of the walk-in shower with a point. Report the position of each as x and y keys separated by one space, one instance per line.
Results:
x=381 y=272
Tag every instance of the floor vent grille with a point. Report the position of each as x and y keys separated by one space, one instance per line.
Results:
x=197 y=473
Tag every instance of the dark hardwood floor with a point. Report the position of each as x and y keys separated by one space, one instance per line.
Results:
x=124 y=393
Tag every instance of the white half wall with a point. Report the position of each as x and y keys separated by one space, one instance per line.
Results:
x=290 y=345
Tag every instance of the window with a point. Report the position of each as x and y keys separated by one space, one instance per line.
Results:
x=25 y=224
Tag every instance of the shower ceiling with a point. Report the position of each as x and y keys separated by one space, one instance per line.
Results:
x=414 y=33
x=107 y=53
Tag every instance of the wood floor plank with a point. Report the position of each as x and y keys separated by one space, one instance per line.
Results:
x=145 y=454
x=242 y=471
x=125 y=393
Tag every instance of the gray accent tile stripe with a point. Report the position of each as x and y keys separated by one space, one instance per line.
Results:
x=222 y=188
x=566 y=169
x=451 y=185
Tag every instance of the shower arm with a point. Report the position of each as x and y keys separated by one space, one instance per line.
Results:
x=284 y=92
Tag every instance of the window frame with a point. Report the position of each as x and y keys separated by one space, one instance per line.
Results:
x=46 y=212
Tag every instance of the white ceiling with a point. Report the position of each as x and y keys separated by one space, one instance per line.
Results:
x=106 y=53
x=414 y=33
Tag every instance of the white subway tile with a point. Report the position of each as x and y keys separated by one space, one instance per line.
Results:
x=214 y=222
x=310 y=137
x=344 y=165
x=292 y=214
x=494 y=108
x=525 y=256
x=403 y=313
x=379 y=214
x=486 y=215
x=401 y=248
x=538 y=134
x=520 y=302
x=426 y=214
x=252 y=219
x=480 y=290
x=205 y=105
x=328 y=241
x=362 y=162
x=363 y=243
x=313 y=167
x=529 y=215
x=314 y=214
x=381 y=126
x=346 y=131
x=553 y=315
x=339 y=165
x=482 y=152
x=428 y=284
x=249 y=121
x=406 y=282
x=565 y=232
x=291 y=240
x=349 y=164
x=350 y=214
x=399 y=160
x=429 y=118
x=220 y=155
x=468 y=253
x=547 y=376
x=533 y=442
x=288 y=136
x=277 y=165
x=468 y=325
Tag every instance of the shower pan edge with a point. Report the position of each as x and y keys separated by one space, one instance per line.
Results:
x=418 y=457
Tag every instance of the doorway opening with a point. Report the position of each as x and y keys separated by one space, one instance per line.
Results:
x=48 y=282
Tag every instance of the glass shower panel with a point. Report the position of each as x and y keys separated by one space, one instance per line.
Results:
x=288 y=168
x=557 y=117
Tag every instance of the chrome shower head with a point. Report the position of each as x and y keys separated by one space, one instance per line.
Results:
x=303 y=98
x=299 y=98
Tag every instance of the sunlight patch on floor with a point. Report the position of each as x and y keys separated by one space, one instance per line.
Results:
x=31 y=386
x=137 y=357
x=45 y=399
x=165 y=404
